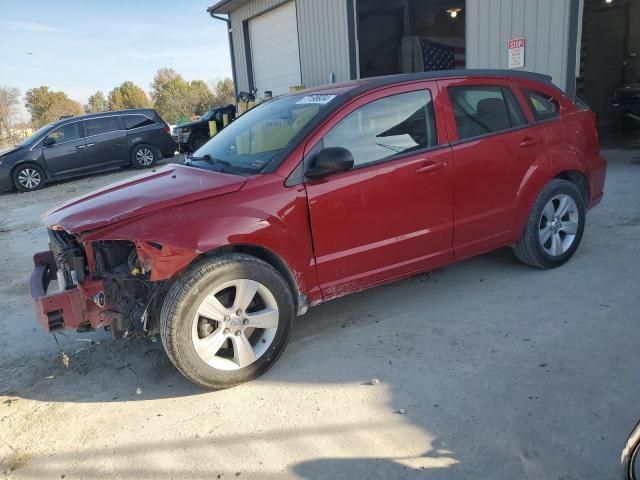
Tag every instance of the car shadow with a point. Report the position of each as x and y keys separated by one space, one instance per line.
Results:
x=138 y=369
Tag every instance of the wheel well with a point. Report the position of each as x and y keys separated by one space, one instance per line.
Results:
x=35 y=164
x=580 y=181
x=272 y=259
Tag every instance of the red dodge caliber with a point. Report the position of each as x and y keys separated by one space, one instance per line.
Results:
x=315 y=195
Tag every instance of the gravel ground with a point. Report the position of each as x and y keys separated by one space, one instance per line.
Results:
x=488 y=370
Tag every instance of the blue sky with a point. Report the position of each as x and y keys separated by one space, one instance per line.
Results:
x=82 y=46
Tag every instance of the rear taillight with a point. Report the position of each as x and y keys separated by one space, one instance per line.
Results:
x=167 y=128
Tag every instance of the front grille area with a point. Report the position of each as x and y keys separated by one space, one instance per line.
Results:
x=70 y=258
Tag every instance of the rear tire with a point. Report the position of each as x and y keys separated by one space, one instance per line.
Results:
x=28 y=177
x=210 y=317
x=144 y=156
x=554 y=228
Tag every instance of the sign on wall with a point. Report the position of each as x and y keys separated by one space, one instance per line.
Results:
x=516 y=53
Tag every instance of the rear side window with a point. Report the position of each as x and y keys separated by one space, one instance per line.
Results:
x=96 y=126
x=486 y=109
x=386 y=127
x=544 y=106
x=136 y=121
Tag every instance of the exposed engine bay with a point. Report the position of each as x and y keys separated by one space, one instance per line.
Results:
x=129 y=302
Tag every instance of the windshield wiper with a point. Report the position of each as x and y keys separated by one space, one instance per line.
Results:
x=213 y=161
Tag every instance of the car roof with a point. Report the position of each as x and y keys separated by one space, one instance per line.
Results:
x=86 y=116
x=355 y=87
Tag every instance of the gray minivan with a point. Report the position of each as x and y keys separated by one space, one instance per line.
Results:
x=86 y=144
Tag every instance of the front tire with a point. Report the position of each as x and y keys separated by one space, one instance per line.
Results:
x=227 y=320
x=196 y=141
x=144 y=156
x=555 y=226
x=28 y=178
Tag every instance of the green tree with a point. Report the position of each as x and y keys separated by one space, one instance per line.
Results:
x=223 y=93
x=202 y=98
x=171 y=95
x=97 y=103
x=46 y=106
x=128 y=95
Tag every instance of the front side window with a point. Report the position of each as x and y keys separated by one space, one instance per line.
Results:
x=544 y=106
x=482 y=110
x=65 y=133
x=136 y=121
x=250 y=142
x=97 y=126
x=387 y=127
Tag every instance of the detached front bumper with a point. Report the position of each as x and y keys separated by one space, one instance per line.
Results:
x=80 y=308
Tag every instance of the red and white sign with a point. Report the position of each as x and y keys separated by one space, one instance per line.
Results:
x=516 y=53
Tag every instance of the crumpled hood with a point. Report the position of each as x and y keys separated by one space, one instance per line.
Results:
x=149 y=193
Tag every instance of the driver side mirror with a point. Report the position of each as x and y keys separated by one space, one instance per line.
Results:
x=49 y=141
x=331 y=160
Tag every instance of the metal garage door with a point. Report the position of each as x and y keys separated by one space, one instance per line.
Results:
x=274 y=50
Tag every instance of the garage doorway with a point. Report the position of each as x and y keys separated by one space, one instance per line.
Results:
x=274 y=51
x=610 y=47
x=406 y=36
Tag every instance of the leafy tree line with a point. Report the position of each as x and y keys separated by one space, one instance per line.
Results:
x=173 y=97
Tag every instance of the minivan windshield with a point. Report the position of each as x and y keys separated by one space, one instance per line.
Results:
x=249 y=143
x=34 y=136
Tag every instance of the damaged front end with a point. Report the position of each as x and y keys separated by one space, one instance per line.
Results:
x=102 y=283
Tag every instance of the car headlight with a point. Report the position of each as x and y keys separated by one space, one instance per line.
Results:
x=183 y=130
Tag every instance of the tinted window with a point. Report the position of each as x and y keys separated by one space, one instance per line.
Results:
x=387 y=127
x=481 y=110
x=544 y=107
x=96 y=126
x=66 y=133
x=136 y=121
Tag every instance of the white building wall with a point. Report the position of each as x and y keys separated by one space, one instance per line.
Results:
x=543 y=23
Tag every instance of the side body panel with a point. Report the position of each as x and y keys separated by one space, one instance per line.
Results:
x=386 y=219
x=490 y=171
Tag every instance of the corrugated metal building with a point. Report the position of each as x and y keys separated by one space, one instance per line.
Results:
x=277 y=44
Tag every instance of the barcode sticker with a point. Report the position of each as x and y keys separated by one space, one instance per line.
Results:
x=321 y=99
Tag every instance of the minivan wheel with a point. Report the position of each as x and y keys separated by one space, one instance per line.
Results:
x=555 y=226
x=143 y=156
x=27 y=178
x=227 y=320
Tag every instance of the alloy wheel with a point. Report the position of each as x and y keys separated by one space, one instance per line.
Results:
x=235 y=324
x=559 y=224
x=29 y=178
x=144 y=157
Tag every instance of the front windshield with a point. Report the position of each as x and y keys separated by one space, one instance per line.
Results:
x=255 y=138
x=34 y=136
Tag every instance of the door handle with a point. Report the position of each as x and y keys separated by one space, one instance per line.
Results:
x=528 y=142
x=431 y=167
x=80 y=147
x=90 y=144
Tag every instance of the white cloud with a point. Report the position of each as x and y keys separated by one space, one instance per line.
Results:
x=32 y=27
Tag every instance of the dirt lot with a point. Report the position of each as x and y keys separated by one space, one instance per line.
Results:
x=501 y=372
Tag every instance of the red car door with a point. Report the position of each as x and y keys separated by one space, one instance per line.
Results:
x=494 y=147
x=392 y=213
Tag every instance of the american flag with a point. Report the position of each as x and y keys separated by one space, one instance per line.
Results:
x=438 y=56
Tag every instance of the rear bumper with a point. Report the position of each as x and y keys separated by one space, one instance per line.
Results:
x=69 y=309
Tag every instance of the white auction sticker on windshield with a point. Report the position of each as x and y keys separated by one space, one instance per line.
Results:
x=321 y=99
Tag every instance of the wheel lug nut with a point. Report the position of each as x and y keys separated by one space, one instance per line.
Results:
x=238 y=333
x=239 y=312
x=227 y=318
x=245 y=322
x=226 y=331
